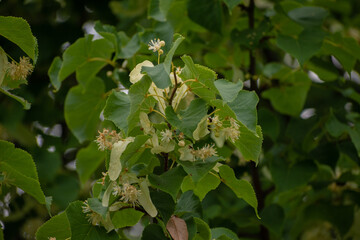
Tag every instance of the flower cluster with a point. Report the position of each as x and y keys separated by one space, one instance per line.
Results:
x=19 y=71
x=204 y=152
x=220 y=133
x=106 y=139
x=93 y=217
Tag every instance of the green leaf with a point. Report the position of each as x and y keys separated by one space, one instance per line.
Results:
x=228 y=90
x=206 y=184
x=203 y=231
x=346 y=50
x=18 y=31
x=20 y=170
x=290 y=97
x=86 y=57
x=158 y=75
x=3 y=65
x=170 y=54
x=197 y=170
x=303 y=46
x=335 y=127
x=130 y=48
x=250 y=38
x=133 y=148
x=269 y=123
x=286 y=178
x=96 y=206
x=308 y=16
x=80 y=227
x=126 y=217
x=206 y=13
x=57 y=227
x=244 y=107
x=88 y=160
x=231 y=4
x=158 y=9
x=117 y=109
x=139 y=101
x=21 y=100
x=53 y=72
x=241 y=188
x=190 y=204
x=188 y=120
x=354 y=133
x=63 y=184
x=83 y=105
x=164 y=203
x=220 y=231
x=169 y=181
x=273 y=218
x=153 y=231
x=203 y=86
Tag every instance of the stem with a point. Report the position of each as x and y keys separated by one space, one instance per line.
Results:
x=264 y=233
x=252 y=67
x=102 y=60
x=153 y=110
x=174 y=89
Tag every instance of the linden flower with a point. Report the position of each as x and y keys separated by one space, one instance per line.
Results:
x=166 y=135
x=156 y=45
x=130 y=194
x=52 y=238
x=106 y=139
x=19 y=71
x=205 y=152
x=93 y=217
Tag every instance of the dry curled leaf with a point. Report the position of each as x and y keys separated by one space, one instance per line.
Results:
x=177 y=228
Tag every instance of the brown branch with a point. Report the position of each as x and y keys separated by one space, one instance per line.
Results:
x=174 y=89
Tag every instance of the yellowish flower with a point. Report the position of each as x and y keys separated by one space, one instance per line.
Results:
x=166 y=135
x=19 y=71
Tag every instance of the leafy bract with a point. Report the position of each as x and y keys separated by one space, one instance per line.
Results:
x=20 y=170
x=139 y=101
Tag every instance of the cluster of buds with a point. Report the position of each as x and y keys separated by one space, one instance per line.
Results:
x=93 y=217
x=106 y=139
x=128 y=193
x=232 y=132
x=156 y=45
x=204 y=152
x=19 y=71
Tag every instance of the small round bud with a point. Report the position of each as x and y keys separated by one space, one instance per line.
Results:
x=109 y=73
x=161 y=51
x=181 y=143
x=162 y=43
